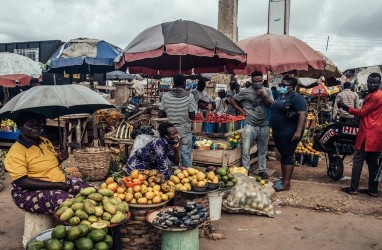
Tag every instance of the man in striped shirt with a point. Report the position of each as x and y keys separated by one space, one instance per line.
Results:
x=180 y=108
x=348 y=97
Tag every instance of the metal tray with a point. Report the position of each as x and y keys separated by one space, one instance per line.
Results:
x=151 y=217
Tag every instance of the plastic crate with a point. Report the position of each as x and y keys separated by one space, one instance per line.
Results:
x=9 y=135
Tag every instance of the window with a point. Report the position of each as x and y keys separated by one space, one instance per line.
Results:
x=31 y=53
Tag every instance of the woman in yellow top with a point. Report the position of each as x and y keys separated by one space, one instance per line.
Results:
x=39 y=185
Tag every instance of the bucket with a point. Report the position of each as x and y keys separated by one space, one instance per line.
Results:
x=185 y=240
x=208 y=127
x=216 y=200
x=242 y=124
x=35 y=224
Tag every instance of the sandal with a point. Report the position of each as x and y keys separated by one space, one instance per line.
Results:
x=348 y=190
x=278 y=186
x=366 y=191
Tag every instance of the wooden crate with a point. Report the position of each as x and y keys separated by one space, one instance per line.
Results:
x=228 y=157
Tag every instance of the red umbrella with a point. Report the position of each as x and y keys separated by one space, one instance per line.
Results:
x=278 y=53
x=183 y=47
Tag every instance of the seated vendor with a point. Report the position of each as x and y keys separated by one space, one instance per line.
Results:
x=39 y=185
x=159 y=154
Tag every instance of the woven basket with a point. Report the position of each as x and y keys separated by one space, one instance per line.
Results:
x=93 y=162
x=138 y=234
x=181 y=199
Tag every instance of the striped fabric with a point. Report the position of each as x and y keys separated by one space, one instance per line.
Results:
x=350 y=98
x=177 y=109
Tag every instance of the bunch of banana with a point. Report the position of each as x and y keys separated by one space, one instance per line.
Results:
x=124 y=131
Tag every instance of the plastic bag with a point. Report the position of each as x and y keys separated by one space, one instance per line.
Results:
x=249 y=197
x=141 y=141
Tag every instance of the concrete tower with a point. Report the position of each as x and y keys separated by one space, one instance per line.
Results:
x=227 y=18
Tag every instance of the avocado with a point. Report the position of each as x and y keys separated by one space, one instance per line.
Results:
x=68 y=245
x=73 y=233
x=84 y=244
x=225 y=178
x=101 y=246
x=97 y=235
x=59 y=232
x=108 y=240
x=54 y=244
x=221 y=171
x=36 y=245
x=230 y=176
x=84 y=229
x=229 y=184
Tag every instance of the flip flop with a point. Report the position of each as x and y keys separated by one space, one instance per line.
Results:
x=366 y=191
x=278 y=186
x=349 y=191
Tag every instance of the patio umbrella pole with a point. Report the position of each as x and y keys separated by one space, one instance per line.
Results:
x=180 y=64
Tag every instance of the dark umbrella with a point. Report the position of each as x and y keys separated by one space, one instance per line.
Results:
x=119 y=75
x=53 y=101
x=83 y=56
x=181 y=47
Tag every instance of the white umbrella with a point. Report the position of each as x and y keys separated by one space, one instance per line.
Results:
x=17 y=69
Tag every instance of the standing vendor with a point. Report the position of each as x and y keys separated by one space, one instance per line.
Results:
x=39 y=185
x=160 y=153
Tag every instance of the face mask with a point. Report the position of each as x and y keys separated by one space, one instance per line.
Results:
x=283 y=89
x=257 y=85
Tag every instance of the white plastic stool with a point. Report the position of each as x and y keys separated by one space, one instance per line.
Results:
x=35 y=224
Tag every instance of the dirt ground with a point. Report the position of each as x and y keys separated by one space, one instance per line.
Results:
x=314 y=214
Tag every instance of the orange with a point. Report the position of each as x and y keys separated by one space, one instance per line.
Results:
x=109 y=180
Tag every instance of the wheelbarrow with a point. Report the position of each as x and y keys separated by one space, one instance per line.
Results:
x=337 y=141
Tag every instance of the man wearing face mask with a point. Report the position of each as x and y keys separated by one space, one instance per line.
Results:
x=255 y=100
x=369 y=137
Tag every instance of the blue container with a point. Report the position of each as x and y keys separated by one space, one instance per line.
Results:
x=9 y=135
x=242 y=124
x=209 y=127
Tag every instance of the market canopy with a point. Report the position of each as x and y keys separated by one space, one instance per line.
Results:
x=183 y=47
x=18 y=70
x=320 y=90
x=53 y=101
x=83 y=55
x=278 y=54
x=330 y=70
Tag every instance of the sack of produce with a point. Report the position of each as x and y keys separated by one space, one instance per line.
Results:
x=249 y=197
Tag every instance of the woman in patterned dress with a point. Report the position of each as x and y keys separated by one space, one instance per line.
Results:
x=39 y=185
x=159 y=154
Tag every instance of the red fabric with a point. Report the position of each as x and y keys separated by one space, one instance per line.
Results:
x=278 y=53
x=9 y=81
x=370 y=129
x=179 y=49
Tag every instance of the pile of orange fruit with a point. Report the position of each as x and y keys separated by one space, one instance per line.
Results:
x=147 y=187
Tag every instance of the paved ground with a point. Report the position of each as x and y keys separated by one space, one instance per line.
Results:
x=314 y=215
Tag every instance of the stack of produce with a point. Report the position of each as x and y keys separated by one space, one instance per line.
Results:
x=79 y=237
x=310 y=120
x=8 y=126
x=183 y=180
x=203 y=144
x=306 y=149
x=95 y=208
x=227 y=180
x=189 y=215
x=234 y=140
x=147 y=187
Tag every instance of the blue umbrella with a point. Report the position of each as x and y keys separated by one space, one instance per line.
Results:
x=83 y=55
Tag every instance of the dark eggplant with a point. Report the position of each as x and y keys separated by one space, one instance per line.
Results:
x=194 y=211
x=169 y=223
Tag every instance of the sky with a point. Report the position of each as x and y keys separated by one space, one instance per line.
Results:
x=353 y=26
